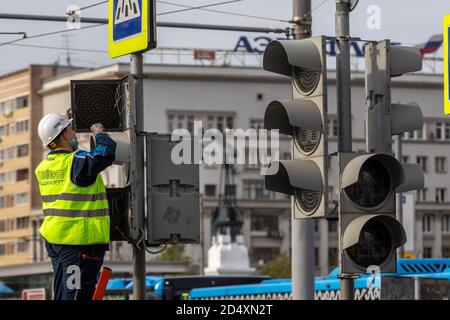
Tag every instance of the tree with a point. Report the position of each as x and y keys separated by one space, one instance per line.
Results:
x=278 y=268
x=173 y=253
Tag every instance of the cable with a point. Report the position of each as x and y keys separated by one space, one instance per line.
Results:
x=104 y=51
x=93 y=5
x=50 y=33
x=52 y=48
x=71 y=13
x=319 y=5
x=224 y=12
x=158 y=251
x=188 y=8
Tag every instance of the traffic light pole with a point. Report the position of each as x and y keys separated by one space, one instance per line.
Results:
x=344 y=112
x=302 y=238
x=138 y=203
x=399 y=204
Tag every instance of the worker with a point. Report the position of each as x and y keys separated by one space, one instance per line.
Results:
x=76 y=222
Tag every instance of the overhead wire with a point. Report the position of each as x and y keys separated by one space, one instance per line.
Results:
x=223 y=12
x=49 y=34
x=319 y=5
x=188 y=8
x=93 y=5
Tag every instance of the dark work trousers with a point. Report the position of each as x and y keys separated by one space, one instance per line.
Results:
x=75 y=270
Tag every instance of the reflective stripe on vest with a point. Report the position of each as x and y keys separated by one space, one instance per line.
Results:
x=74 y=215
x=75 y=197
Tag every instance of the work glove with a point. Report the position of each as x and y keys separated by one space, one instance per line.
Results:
x=97 y=128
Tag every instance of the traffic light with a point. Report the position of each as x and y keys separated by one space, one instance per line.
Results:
x=370 y=233
x=304 y=119
x=173 y=197
x=98 y=101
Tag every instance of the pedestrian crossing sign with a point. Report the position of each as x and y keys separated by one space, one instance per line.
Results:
x=131 y=27
x=446 y=65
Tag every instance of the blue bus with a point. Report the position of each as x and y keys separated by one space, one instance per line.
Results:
x=367 y=287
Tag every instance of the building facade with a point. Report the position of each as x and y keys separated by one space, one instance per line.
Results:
x=20 y=152
x=229 y=97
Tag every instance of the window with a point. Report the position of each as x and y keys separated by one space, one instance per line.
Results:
x=2 y=225
x=22 y=245
x=21 y=126
x=186 y=121
x=2 y=202
x=445 y=252
x=415 y=135
x=440 y=164
x=286 y=156
x=446 y=223
x=264 y=222
x=427 y=221
x=257 y=190
x=316 y=225
x=438 y=133
x=422 y=161
x=422 y=195
x=332 y=226
x=22 y=198
x=405 y=159
x=332 y=128
x=11 y=129
x=9 y=201
x=22 y=175
x=427 y=252
x=2 y=130
x=333 y=257
x=23 y=223
x=2 y=249
x=8 y=177
x=190 y=124
x=256 y=124
x=442 y=131
x=210 y=190
x=264 y=255
x=440 y=194
x=10 y=153
x=22 y=150
x=2 y=155
x=22 y=102
x=230 y=122
x=171 y=123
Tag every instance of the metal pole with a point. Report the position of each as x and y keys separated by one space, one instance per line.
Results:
x=343 y=84
x=344 y=113
x=137 y=72
x=347 y=287
x=302 y=238
x=159 y=24
x=399 y=206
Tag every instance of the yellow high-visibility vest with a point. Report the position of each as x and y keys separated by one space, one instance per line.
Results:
x=74 y=215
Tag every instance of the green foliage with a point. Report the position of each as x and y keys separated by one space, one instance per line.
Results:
x=173 y=253
x=278 y=268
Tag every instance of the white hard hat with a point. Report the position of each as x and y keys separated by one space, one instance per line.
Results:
x=51 y=126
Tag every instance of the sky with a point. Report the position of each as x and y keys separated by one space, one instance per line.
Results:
x=405 y=21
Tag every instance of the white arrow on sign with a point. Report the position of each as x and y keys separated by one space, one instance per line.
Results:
x=127 y=10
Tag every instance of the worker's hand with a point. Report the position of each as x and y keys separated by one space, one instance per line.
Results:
x=97 y=128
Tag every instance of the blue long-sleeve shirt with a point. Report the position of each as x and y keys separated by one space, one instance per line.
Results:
x=87 y=165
